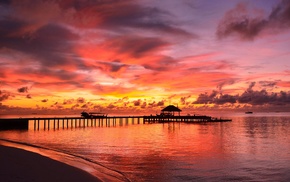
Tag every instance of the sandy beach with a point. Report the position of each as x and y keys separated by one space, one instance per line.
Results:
x=17 y=165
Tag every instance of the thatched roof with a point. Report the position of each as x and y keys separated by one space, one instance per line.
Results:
x=171 y=108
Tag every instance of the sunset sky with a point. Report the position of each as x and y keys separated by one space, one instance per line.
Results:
x=142 y=55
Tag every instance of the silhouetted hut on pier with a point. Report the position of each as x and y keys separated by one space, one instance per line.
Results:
x=170 y=110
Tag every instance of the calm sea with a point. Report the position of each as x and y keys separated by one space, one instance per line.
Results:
x=252 y=147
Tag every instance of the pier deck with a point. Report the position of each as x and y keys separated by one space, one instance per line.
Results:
x=186 y=119
x=77 y=122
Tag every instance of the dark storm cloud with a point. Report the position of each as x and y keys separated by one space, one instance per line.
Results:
x=281 y=14
x=118 y=15
x=4 y=2
x=8 y=26
x=44 y=100
x=250 y=96
x=239 y=21
x=49 y=42
x=23 y=90
x=135 y=46
x=46 y=44
x=46 y=38
x=113 y=15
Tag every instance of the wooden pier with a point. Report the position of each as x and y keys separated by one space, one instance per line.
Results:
x=81 y=122
x=66 y=122
x=185 y=119
x=171 y=113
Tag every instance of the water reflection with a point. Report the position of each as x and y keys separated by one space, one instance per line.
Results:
x=248 y=148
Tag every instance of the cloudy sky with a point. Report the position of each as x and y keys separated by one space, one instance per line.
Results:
x=141 y=55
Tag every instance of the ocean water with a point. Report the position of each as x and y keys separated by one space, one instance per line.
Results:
x=252 y=147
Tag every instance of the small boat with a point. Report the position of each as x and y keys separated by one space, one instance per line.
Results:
x=93 y=115
x=249 y=112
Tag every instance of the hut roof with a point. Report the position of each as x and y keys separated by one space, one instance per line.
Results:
x=171 y=108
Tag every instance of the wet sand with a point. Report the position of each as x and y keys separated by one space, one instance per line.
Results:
x=17 y=165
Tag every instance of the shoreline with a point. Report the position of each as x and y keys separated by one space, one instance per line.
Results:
x=75 y=168
x=17 y=165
